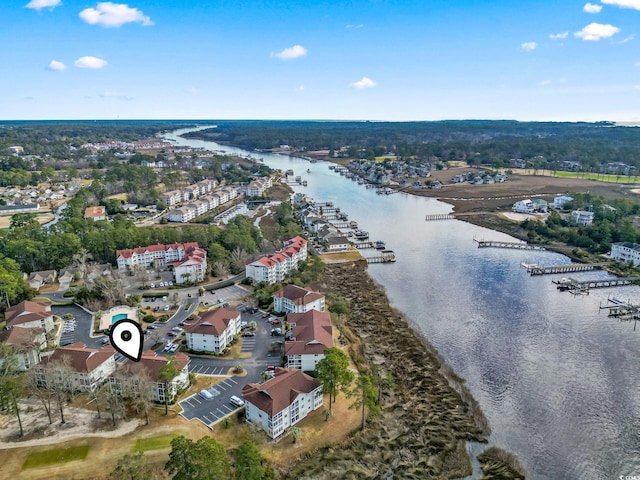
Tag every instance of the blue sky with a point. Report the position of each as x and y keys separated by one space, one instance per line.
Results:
x=348 y=59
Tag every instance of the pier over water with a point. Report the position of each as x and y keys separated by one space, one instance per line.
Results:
x=512 y=245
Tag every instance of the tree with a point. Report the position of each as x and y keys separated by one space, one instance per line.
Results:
x=333 y=372
x=366 y=396
x=43 y=394
x=295 y=434
x=10 y=382
x=249 y=462
x=220 y=268
x=168 y=372
x=132 y=467
x=201 y=460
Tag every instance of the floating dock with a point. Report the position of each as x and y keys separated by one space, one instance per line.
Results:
x=623 y=311
x=439 y=216
x=535 y=269
x=386 y=256
x=577 y=286
x=511 y=245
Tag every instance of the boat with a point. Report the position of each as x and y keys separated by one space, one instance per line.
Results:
x=361 y=235
x=308 y=170
x=304 y=183
x=289 y=172
x=380 y=245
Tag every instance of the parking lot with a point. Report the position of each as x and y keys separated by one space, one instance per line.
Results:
x=205 y=367
x=210 y=411
x=68 y=332
x=226 y=294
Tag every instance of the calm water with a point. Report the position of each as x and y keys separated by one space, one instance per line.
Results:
x=556 y=378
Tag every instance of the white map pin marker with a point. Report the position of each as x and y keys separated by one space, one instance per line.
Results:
x=127 y=338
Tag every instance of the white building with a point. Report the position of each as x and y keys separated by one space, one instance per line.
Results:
x=29 y=314
x=157 y=254
x=582 y=218
x=192 y=267
x=88 y=367
x=560 y=200
x=523 y=206
x=294 y=299
x=27 y=343
x=626 y=252
x=274 y=268
x=213 y=330
x=311 y=334
x=281 y=402
x=151 y=364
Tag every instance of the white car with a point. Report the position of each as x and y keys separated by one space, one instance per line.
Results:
x=167 y=347
x=206 y=394
x=174 y=347
x=153 y=285
x=166 y=308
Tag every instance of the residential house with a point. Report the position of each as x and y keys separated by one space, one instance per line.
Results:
x=38 y=279
x=626 y=252
x=523 y=206
x=27 y=343
x=149 y=367
x=274 y=268
x=560 y=200
x=13 y=209
x=282 y=401
x=182 y=214
x=337 y=243
x=30 y=314
x=171 y=198
x=86 y=368
x=311 y=334
x=582 y=218
x=294 y=299
x=95 y=213
x=540 y=205
x=213 y=330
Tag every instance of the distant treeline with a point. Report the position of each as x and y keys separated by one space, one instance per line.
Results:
x=487 y=142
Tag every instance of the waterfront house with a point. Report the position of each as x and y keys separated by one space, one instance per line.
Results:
x=311 y=334
x=213 y=330
x=282 y=401
x=274 y=268
x=294 y=299
x=582 y=218
x=82 y=369
x=560 y=200
x=523 y=206
x=626 y=252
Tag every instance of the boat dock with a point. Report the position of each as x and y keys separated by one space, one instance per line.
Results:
x=623 y=311
x=577 y=286
x=512 y=245
x=535 y=269
x=369 y=245
x=345 y=225
x=386 y=256
x=439 y=216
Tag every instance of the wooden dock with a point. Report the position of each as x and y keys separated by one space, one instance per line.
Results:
x=577 y=286
x=535 y=269
x=511 y=245
x=623 y=311
x=387 y=256
x=345 y=225
x=439 y=216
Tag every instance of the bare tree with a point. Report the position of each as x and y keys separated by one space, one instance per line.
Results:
x=239 y=258
x=81 y=261
x=220 y=268
x=44 y=395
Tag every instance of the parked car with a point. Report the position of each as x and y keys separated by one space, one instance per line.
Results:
x=266 y=315
x=275 y=322
x=151 y=327
x=153 y=285
x=172 y=334
x=238 y=402
x=271 y=368
x=166 y=308
x=174 y=347
x=167 y=347
x=248 y=334
x=105 y=341
x=206 y=394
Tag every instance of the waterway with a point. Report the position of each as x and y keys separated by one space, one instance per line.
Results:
x=556 y=378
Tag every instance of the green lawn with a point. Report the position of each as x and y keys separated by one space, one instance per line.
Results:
x=599 y=177
x=55 y=455
x=153 y=443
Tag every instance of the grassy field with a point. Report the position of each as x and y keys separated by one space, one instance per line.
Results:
x=153 y=443
x=600 y=177
x=55 y=456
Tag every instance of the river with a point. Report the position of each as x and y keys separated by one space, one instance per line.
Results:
x=554 y=376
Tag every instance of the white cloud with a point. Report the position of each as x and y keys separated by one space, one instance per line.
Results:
x=299 y=88
x=628 y=39
x=117 y=96
x=545 y=83
x=40 y=4
x=364 y=82
x=636 y=64
x=529 y=46
x=635 y=4
x=90 y=62
x=358 y=25
x=57 y=66
x=558 y=36
x=592 y=8
x=596 y=31
x=192 y=90
x=297 y=51
x=110 y=14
